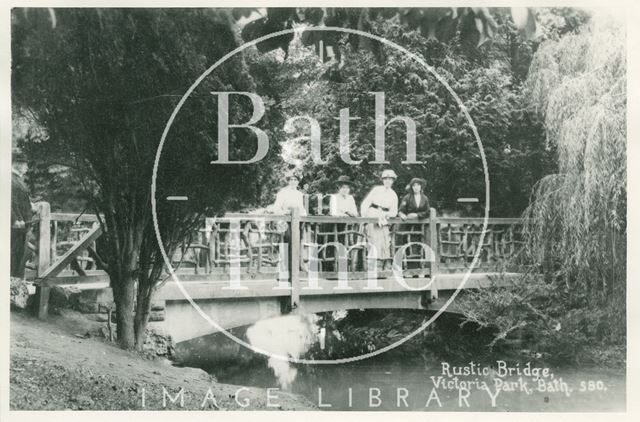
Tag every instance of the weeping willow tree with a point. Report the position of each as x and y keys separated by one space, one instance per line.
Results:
x=577 y=227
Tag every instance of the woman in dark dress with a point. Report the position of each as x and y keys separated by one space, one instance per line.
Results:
x=413 y=206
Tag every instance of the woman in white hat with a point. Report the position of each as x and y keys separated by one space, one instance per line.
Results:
x=381 y=203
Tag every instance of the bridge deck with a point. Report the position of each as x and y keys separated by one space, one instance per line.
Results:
x=199 y=288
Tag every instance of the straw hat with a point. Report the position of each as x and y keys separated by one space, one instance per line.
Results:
x=389 y=174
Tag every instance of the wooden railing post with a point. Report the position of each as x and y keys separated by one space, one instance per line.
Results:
x=433 y=231
x=305 y=202
x=44 y=255
x=294 y=272
x=319 y=198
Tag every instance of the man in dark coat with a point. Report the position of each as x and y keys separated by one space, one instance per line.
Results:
x=21 y=214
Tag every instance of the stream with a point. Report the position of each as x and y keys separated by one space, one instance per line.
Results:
x=399 y=380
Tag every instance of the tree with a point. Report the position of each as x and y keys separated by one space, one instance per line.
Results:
x=102 y=84
x=575 y=228
x=488 y=80
x=579 y=214
x=473 y=25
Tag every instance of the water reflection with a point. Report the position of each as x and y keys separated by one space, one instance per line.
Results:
x=394 y=381
x=291 y=335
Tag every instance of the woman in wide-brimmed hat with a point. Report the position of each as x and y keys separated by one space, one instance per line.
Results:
x=381 y=203
x=342 y=202
x=415 y=204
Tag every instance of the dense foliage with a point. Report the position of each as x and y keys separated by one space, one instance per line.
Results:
x=487 y=79
x=576 y=231
x=97 y=88
x=100 y=87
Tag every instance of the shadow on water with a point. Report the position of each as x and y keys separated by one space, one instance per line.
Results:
x=430 y=372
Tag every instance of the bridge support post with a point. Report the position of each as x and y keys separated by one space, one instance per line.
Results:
x=294 y=272
x=433 y=231
x=44 y=256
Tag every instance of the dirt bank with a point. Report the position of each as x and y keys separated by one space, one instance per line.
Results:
x=63 y=363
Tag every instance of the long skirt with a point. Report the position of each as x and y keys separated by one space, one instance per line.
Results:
x=379 y=236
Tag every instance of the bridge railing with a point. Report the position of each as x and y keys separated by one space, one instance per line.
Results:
x=250 y=244
x=258 y=245
x=459 y=241
x=288 y=249
x=64 y=251
x=291 y=246
x=262 y=244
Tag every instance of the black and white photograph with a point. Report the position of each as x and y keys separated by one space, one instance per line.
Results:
x=295 y=207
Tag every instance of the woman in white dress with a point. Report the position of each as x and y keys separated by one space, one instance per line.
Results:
x=381 y=203
x=342 y=202
x=290 y=198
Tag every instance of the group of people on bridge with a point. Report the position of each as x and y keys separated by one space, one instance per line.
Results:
x=380 y=203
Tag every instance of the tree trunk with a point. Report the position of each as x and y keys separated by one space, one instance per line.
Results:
x=124 y=296
x=141 y=319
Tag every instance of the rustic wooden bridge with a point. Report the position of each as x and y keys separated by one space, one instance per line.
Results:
x=241 y=268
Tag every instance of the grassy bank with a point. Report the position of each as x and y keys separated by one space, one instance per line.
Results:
x=64 y=363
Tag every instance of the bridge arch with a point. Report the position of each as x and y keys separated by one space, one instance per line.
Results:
x=184 y=322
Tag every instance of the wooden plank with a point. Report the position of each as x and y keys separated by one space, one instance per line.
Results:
x=294 y=272
x=305 y=202
x=54 y=241
x=71 y=273
x=71 y=254
x=76 y=279
x=232 y=216
x=75 y=266
x=396 y=220
x=43 y=292
x=361 y=275
x=433 y=243
x=64 y=216
x=364 y=286
x=269 y=287
x=202 y=278
x=220 y=290
x=391 y=285
x=44 y=256
x=219 y=273
x=479 y=220
x=44 y=241
x=333 y=220
x=219 y=277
